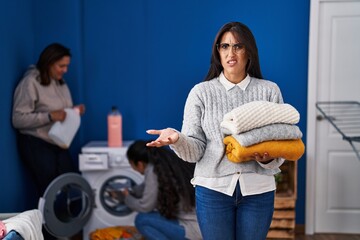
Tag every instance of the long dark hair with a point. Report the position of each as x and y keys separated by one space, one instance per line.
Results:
x=173 y=173
x=244 y=36
x=51 y=54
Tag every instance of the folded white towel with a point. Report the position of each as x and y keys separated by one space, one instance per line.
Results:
x=276 y=131
x=28 y=224
x=257 y=114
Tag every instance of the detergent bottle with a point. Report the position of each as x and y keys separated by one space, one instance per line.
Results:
x=114 y=120
x=62 y=133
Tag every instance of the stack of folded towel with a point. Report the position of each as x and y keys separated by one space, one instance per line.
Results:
x=259 y=127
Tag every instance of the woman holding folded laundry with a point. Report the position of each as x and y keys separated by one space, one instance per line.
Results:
x=234 y=199
x=39 y=101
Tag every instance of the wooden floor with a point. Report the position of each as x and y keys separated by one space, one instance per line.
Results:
x=327 y=237
x=300 y=237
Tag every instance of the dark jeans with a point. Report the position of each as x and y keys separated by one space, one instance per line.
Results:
x=233 y=217
x=153 y=226
x=44 y=160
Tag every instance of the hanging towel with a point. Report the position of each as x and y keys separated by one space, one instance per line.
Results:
x=257 y=114
x=28 y=224
x=276 y=131
x=287 y=149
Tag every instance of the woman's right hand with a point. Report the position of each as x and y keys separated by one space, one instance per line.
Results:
x=167 y=136
x=58 y=115
x=81 y=108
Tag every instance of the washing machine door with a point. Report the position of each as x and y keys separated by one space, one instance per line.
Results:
x=66 y=205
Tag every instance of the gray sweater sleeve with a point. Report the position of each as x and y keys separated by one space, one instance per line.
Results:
x=192 y=139
x=24 y=109
x=147 y=201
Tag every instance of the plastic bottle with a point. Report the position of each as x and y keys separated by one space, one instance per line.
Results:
x=62 y=133
x=114 y=128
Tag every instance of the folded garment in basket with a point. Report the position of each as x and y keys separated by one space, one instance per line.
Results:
x=257 y=114
x=113 y=233
x=287 y=149
x=28 y=224
x=2 y=230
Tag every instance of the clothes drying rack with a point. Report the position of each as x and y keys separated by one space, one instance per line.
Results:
x=345 y=117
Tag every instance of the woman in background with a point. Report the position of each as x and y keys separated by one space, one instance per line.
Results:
x=39 y=101
x=166 y=199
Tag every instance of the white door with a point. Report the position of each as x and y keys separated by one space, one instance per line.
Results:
x=336 y=175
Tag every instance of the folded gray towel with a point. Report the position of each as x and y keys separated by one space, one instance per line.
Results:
x=276 y=131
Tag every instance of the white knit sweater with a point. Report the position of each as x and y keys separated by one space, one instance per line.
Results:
x=258 y=114
x=201 y=138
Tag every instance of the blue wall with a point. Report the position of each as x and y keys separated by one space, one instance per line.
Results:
x=143 y=57
x=16 y=51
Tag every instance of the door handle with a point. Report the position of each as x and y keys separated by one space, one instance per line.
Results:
x=321 y=117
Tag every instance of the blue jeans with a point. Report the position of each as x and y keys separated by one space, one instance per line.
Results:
x=242 y=218
x=153 y=226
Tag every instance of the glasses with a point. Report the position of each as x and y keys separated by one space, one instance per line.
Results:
x=225 y=47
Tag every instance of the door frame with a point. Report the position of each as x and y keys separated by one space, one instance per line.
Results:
x=311 y=116
x=312 y=112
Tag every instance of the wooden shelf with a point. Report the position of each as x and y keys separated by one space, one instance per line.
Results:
x=281 y=234
x=283 y=223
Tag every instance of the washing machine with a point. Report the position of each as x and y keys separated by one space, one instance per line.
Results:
x=107 y=169
x=73 y=202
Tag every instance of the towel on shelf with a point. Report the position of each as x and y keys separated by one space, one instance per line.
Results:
x=28 y=224
x=287 y=149
x=276 y=131
x=257 y=114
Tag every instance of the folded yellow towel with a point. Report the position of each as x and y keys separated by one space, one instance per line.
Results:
x=287 y=149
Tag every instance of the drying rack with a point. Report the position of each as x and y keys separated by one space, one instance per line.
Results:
x=345 y=117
